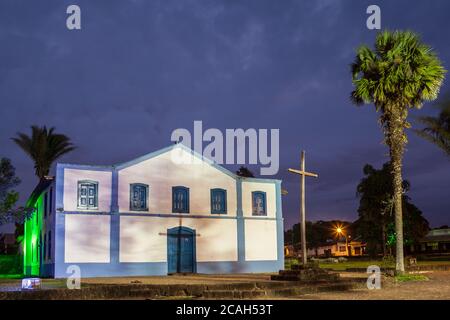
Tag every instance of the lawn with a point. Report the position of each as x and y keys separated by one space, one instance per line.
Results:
x=360 y=263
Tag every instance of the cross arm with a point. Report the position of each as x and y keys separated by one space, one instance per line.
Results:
x=309 y=174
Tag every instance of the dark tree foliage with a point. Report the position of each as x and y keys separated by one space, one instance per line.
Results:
x=437 y=129
x=317 y=233
x=376 y=223
x=245 y=172
x=44 y=147
x=9 y=197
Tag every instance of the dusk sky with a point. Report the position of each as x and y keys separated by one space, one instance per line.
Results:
x=139 y=69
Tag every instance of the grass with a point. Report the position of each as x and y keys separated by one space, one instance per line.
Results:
x=410 y=277
x=361 y=263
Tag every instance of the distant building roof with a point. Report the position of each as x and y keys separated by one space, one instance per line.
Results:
x=437 y=235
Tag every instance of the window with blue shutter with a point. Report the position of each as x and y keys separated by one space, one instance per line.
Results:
x=259 y=207
x=218 y=201
x=138 y=197
x=44 y=245
x=87 y=194
x=180 y=199
x=49 y=241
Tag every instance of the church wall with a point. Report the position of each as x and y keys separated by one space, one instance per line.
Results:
x=161 y=174
x=144 y=239
x=268 y=188
x=71 y=178
x=259 y=240
x=113 y=241
x=87 y=238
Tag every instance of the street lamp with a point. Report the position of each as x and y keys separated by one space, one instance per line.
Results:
x=340 y=231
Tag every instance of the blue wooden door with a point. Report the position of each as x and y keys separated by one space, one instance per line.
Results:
x=181 y=250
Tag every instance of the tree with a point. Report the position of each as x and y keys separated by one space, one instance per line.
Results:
x=399 y=74
x=317 y=233
x=375 y=223
x=437 y=129
x=44 y=147
x=245 y=172
x=9 y=197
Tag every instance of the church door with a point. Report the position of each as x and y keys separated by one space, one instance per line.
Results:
x=181 y=250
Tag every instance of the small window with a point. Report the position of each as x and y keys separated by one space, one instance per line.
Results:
x=50 y=202
x=180 y=199
x=87 y=195
x=218 y=201
x=44 y=245
x=342 y=249
x=138 y=197
x=49 y=241
x=259 y=203
x=45 y=204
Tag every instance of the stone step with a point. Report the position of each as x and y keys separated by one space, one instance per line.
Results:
x=282 y=292
x=305 y=277
x=233 y=294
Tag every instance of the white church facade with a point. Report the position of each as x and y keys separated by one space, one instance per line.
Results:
x=156 y=216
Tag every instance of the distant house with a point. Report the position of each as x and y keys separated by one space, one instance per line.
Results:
x=332 y=248
x=8 y=243
x=338 y=248
x=436 y=241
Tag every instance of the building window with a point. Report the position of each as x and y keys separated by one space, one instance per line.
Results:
x=180 y=199
x=44 y=244
x=138 y=197
x=45 y=204
x=342 y=249
x=50 y=202
x=218 y=201
x=259 y=203
x=49 y=241
x=87 y=195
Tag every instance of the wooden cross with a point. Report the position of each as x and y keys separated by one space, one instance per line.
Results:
x=302 y=172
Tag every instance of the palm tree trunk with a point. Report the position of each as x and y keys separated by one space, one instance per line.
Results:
x=398 y=190
x=396 y=142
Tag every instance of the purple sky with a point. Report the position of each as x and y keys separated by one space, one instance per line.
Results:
x=139 y=69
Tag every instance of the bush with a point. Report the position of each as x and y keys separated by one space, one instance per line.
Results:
x=10 y=264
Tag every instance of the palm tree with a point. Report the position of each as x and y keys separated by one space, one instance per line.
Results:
x=437 y=129
x=43 y=147
x=399 y=74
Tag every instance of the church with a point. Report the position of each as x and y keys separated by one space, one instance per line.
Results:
x=153 y=216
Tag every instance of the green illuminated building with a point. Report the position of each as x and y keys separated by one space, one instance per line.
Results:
x=37 y=249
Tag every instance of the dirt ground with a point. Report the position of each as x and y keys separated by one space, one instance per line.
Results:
x=436 y=288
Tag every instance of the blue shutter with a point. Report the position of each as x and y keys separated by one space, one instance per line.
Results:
x=180 y=199
x=138 y=197
x=45 y=246
x=49 y=253
x=87 y=194
x=218 y=201
x=259 y=207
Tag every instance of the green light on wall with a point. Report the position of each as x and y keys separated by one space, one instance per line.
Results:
x=32 y=238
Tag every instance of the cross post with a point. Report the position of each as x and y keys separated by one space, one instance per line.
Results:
x=302 y=172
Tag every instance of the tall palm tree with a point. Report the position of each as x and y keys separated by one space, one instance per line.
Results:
x=437 y=129
x=44 y=147
x=399 y=74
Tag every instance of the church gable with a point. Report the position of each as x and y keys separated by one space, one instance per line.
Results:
x=176 y=166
